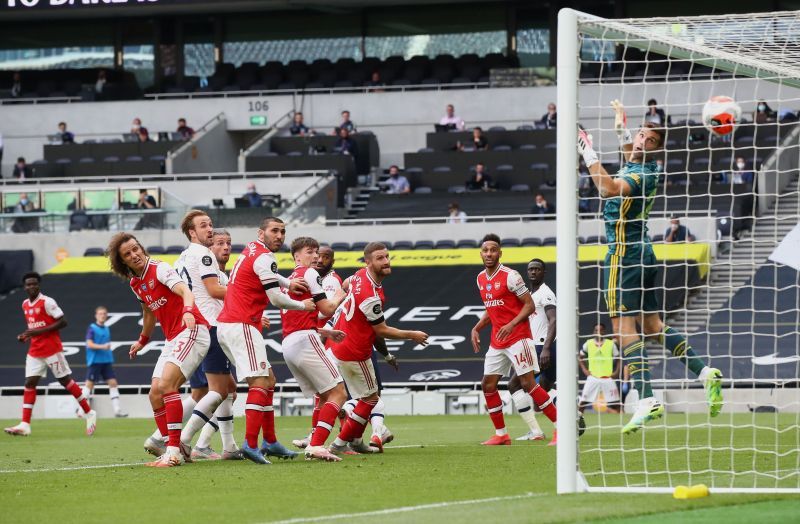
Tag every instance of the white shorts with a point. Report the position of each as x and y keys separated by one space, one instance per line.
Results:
x=310 y=365
x=37 y=366
x=245 y=347
x=595 y=385
x=521 y=355
x=187 y=351
x=359 y=377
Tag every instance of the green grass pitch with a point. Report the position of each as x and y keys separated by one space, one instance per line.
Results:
x=436 y=472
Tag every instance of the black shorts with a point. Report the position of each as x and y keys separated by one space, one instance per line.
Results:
x=100 y=372
x=550 y=372
x=215 y=361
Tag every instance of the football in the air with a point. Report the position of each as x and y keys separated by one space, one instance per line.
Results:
x=721 y=114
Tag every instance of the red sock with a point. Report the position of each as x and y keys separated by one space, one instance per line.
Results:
x=324 y=424
x=77 y=392
x=254 y=415
x=160 y=415
x=315 y=413
x=354 y=426
x=268 y=423
x=494 y=405
x=28 y=400
x=543 y=401
x=174 y=417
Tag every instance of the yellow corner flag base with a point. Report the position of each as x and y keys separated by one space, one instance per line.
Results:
x=690 y=492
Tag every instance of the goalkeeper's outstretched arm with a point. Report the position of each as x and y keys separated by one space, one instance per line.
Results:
x=607 y=186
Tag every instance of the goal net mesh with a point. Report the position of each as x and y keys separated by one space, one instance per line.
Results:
x=728 y=282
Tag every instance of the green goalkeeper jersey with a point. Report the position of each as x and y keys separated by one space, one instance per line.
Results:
x=626 y=217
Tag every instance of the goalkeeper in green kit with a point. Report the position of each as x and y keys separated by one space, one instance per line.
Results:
x=629 y=272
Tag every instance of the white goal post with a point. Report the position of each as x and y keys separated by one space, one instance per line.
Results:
x=749 y=57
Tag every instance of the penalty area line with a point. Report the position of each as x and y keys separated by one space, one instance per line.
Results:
x=405 y=509
x=70 y=468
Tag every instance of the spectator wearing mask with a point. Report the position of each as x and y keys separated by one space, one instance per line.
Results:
x=740 y=173
x=677 y=233
x=479 y=141
x=543 y=208
x=100 y=83
x=655 y=115
x=16 y=86
x=450 y=119
x=253 y=196
x=397 y=184
x=137 y=126
x=481 y=180
x=346 y=145
x=548 y=120
x=22 y=170
x=65 y=136
x=455 y=215
x=25 y=205
x=298 y=128
x=185 y=131
x=346 y=124
x=764 y=113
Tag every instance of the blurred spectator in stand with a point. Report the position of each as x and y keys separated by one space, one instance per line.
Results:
x=763 y=113
x=374 y=83
x=137 y=126
x=481 y=180
x=100 y=83
x=586 y=189
x=543 y=208
x=479 y=141
x=600 y=363
x=548 y=120
x=397 y=184
x=298 y=128
x=346 y=124
x=22 y=170
x=147 y=201
x=253 y=196
x=25 y=224
x=185 y=131
x=450 y=119
x=346 y=145
x=455 y=215
x=655 y=115
x=65 y=136
x=739 y=175
x=24 y=205
x=16 y=86
x=677 y=233
x=144 y=135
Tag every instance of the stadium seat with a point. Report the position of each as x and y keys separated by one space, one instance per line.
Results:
x=531 y=241
x=527 y=147
x=502 y=147
x=510 y=242
x=340 y=246
x=237 y=248
x=525 y=127
x=111 y=159
x=444 y=244
x=94 y=252
x=496 y=128
x=549 y=241
x=79 y=221
x=64 y=161
x=133 y=158
x=467 y=243
x=284 y=249
x=442 y=169
x=388 y=244
x=403 y=245
x=358 y=246
x=657 y=238
x=520 y=187
x=174 y=250
x=593 y=239
x=423 y=244
x=156 y=250
x=504 y=168
x=86 y=160
x=423 y=190
x=425 y=150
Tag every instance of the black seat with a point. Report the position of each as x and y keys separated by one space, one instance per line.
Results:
x=444 y=244
x=156 y=250
x=531 y=241
x=340 y=246
x=510 y=242
x=423 y=244
x=549 y=241
x=403 y=245
x=79 y=221
x=174 y=250
x=466 y=244
x=94 y=252
x=358 y=246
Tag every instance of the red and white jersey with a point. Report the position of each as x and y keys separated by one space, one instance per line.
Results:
x=154 y=290
x=331 y=283
x=255 y=271
x=43 y=312
x=501 y=294
x=542 y=298
x=362 y=309
x=295 y=320
x=195 y=264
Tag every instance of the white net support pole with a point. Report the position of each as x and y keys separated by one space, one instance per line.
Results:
x=567 y=250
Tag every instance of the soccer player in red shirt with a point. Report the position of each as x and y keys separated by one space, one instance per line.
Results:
x=508 y=306
x=361 y=319
x=167 y=299
x=253 y=284
x=45 y=319
x=304 y=352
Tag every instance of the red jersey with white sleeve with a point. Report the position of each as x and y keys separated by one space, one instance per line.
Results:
x=331 y=283
x=501 y=294
x=255 y=271
x=296 y=320
x=362 y=309
x=40 y=313
x=154 y=290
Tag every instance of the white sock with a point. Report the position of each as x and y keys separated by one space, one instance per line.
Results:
x=524 y=405
x=339 y=442
x=225 y=422
x=188 y=406
x=703 y=375
x=202 y=413
x=376 y=418
x=113 y=393
x=350 y=405
x=501 y=432
x=207 y=433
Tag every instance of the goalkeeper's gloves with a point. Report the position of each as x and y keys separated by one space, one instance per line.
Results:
x=585 y=148
x=621 y=123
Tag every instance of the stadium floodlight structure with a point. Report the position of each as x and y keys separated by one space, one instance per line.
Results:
x=737 y=286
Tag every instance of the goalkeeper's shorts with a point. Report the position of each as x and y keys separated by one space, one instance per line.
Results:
x=629 y=283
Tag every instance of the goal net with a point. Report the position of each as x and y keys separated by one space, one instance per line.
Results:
x=724 y=230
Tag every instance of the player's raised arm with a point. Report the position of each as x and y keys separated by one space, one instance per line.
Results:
x=607 y=186
x=621 y=128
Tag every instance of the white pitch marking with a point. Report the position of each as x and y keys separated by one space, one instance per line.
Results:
x=70 y=468
x=405 y=509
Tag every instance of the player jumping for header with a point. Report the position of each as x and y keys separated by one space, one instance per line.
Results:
x=630 y=265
